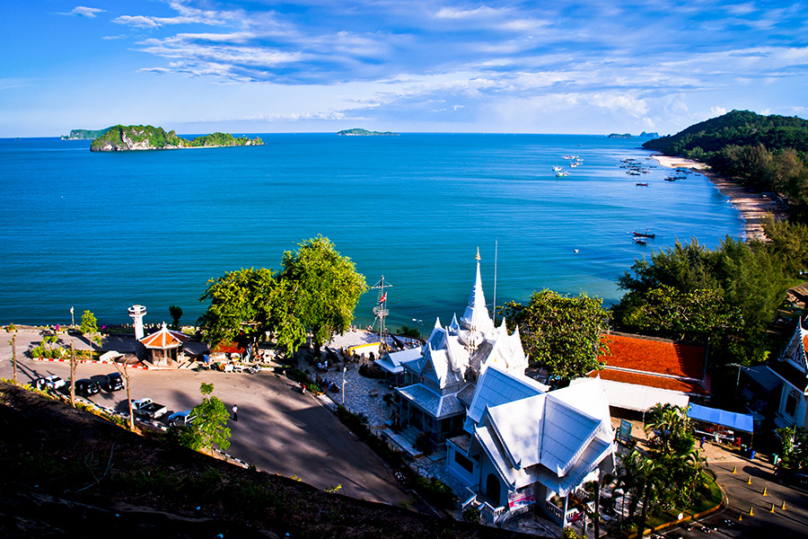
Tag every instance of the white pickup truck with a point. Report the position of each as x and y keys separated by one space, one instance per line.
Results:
x=148 y=408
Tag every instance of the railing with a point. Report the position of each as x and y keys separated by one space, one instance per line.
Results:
x=492 y=513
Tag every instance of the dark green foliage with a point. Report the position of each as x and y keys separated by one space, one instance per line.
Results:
x=415 y=333
x=561 y=333
x=85 y=134
x=728 y=296
x=435 y=492
x=175 y=313
x=358 y=131
x=302 y=378
x=209 y=428
x=793 y=447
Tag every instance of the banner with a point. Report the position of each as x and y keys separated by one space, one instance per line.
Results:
x=521 y=498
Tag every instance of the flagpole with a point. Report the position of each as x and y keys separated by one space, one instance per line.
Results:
x=496 y=252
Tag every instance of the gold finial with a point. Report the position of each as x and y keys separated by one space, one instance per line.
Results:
x=478 y=252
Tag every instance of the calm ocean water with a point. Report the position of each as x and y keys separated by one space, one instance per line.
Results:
x=105 y=231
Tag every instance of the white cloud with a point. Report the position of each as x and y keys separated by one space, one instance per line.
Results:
x=478 y=13
x=717 y=111
x=82 y=11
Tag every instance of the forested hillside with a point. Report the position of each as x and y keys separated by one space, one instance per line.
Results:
x=766 y=153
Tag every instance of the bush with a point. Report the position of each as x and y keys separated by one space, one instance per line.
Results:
x=472 y=514
x=302 y=378
x=436 y=492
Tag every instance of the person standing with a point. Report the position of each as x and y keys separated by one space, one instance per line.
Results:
x=235 y=412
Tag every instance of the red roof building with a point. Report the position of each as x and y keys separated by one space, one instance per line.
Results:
x=641 y=371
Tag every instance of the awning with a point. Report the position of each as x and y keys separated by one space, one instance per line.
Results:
x=742 y=422
x=640 y=398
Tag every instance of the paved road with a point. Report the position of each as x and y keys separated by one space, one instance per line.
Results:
x=279 y=429
x=791 y=523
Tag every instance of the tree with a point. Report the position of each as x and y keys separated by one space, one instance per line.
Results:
x=559 y=332
x=89 y=327
x=124 y=372
x=175 y=313
x=323 y=288
x=209 y=427
x=240 y=306
x=794 y=447
x=73 y=365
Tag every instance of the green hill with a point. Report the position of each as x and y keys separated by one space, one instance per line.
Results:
x=147 y=137
x=85 y=134
x=359 y=132
x=740 y=128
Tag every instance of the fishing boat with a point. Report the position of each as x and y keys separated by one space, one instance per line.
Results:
x=641 y=241
x=556 y=168
x=641 y=184
x=646 y=234
x=560 y=173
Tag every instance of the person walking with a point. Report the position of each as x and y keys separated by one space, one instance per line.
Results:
x=235 y=412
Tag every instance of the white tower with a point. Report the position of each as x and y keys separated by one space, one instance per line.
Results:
x=137 y=312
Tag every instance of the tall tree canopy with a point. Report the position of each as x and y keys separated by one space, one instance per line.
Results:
x=317 y=290
x=324 y=286
x=561 y=333
x=728 y=295
x=240 y=306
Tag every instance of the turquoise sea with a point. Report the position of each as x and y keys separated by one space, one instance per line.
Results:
x=105 y=231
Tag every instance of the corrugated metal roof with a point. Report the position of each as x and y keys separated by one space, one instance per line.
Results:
x=435 y=405
x=497 y=387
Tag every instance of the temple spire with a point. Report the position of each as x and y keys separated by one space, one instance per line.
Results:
x=476 y=316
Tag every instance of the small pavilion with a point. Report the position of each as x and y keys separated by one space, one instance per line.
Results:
x=164 y=345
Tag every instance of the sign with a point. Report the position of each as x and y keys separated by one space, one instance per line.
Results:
x=624 y=433
x=521 y=498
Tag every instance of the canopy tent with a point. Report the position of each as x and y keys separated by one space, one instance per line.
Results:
x=639 y=398
x=742 y=422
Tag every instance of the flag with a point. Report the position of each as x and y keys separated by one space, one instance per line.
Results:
x=383 y=298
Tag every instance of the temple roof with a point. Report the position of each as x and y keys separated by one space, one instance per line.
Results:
x=476 y=317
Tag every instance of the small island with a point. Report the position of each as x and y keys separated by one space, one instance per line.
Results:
x=629 y=135
x=122 y=138
x=85 y=134
x=358 y=132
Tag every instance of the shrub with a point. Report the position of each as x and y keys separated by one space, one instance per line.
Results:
x=436 y=492
x=472 y=514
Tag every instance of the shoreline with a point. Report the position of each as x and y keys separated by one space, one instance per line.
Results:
x=753 y=207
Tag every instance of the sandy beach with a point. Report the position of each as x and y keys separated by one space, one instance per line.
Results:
x=754 y=207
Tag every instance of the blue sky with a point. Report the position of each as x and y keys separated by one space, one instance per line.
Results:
x=594 y=66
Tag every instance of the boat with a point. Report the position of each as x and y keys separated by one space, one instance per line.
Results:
x=641 y=241
x=556 y=168
x=646 y=234
x=642 y=184
x=559 y=174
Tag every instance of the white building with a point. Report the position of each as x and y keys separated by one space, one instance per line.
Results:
x=792 y=368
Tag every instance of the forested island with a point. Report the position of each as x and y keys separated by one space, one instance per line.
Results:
x=85 y=134
x=358 y=132
x=629 y=135
x=764 y=153
x=139 y=137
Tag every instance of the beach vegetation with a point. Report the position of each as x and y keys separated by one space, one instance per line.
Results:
x=176 y=313
x=316 y=292
x=727 y=296
x=560 y=333
x=323 y=288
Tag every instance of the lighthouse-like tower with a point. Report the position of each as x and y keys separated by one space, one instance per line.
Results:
x=137 y=312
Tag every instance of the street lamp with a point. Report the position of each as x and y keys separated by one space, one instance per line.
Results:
x=344 y=369
x=738 y=379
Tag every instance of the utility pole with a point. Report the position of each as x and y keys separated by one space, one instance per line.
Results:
x=496 y=252
x=14 y=355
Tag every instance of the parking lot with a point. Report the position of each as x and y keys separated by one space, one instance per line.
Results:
x=279 y=429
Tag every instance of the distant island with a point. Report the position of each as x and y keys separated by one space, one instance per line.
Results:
x=629 y=135
x=85 y=134
x=121 y=138
x=358 y=132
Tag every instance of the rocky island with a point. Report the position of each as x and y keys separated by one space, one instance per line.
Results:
x=85 y=134
x=358 y=132
x=122 y=138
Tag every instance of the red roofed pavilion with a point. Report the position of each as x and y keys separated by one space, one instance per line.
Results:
x=164 y=345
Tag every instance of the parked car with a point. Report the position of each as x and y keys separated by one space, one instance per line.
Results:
x=87 y=387
x=148 y=408
x=181 y=419
x=114 y=381
x=48 y=383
